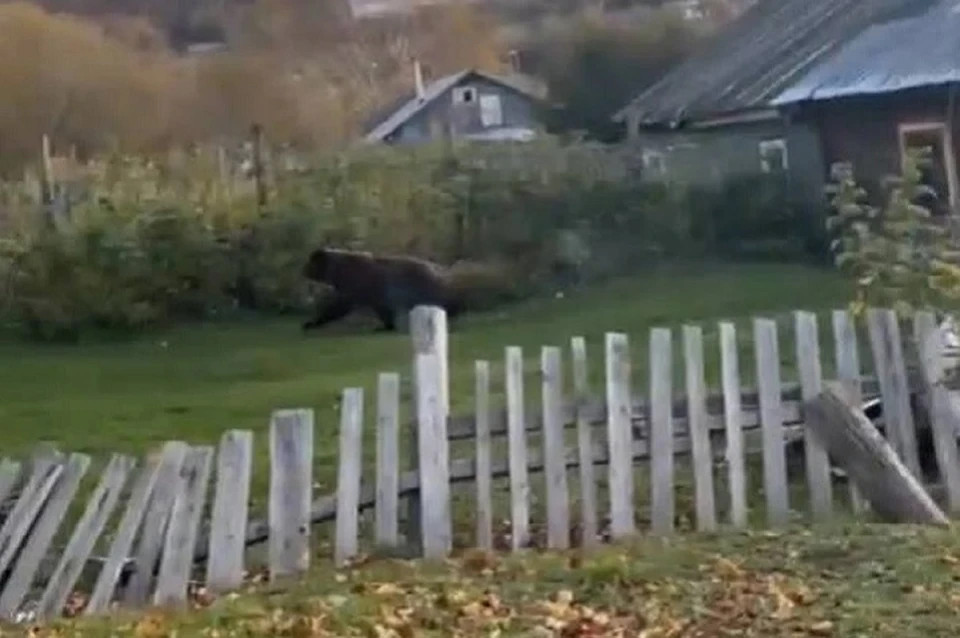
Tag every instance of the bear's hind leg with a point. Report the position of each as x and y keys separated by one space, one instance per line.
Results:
x=387 y=319
x=339 y=308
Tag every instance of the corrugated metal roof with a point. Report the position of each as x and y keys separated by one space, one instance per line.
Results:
x=760 y=55
x=917 y=51
x=430 y=93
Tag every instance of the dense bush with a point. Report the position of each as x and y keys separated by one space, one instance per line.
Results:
x=150 y=242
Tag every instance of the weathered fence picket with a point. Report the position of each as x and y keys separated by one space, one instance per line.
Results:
x=484 y=451
x=848 y=372
x=133 y=515
x=228 y=518
x=388 y=460
x=771 y=420
x=291 y=484
x=554 y=451
x=517 y=450
x=436 y=524
x=937 y=404
x=588 y=482
x=99 y=508
x=346 y=542
x=697 y=425
x=662 y=498
x=158 y=537
x=733 y=424
x=817 y=461
x=155 y=523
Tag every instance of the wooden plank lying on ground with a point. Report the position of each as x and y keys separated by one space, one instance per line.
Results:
x=849 y=436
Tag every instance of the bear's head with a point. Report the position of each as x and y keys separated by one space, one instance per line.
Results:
x=317 y=265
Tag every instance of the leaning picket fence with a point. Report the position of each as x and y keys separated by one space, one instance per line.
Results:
x=161 y=545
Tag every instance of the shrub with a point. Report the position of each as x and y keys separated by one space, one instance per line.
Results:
x=898 y=255
x=146 y=242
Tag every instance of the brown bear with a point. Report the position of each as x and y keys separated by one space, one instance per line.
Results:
x=386 y=285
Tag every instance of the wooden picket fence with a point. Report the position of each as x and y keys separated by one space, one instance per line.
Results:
x=161 y=539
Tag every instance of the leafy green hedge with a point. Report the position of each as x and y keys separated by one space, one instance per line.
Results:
x=147 y=243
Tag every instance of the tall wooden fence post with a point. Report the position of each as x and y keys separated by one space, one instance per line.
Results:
x=419 y=333
x=429 y=329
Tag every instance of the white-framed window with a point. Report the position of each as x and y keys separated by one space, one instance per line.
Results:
x=941 y=175
x=464 y=95
x=654 y=163
x=773 y=155
x=491 y=111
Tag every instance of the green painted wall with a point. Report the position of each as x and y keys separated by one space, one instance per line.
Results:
x=711 y=156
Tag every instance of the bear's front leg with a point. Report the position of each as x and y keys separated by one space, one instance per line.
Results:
x=339 y=308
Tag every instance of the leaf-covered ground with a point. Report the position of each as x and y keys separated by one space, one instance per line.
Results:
x=853 y=580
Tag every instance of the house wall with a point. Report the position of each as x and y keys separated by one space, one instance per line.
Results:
x=518 y=111
x=864 y=130
x=710 y=157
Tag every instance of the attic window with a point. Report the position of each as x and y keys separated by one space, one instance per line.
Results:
x=773 y=155
x=464 y=95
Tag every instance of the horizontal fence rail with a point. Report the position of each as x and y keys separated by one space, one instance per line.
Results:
x=611 y=463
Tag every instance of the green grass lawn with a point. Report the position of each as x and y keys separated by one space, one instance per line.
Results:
x=196 y=382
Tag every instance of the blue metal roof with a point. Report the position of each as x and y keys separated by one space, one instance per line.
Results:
x=910 y=52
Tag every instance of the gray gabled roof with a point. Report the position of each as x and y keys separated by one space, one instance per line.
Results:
x=760 y=55
x=407 y=109
x=915 y=51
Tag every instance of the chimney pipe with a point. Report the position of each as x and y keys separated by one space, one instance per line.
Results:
x=418 y=78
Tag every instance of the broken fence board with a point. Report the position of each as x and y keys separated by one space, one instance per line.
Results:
x=41 y=535
x=484 y=457
x=46 y=472
x=706 y=507
x=811 y=382
x=589 y=509
x=183 y=528
x=662 y=500
x=869 y=460
x=84 y=537
x=346 y=539
x=387 y=533
x=733 y=422
x=555 y=468
x=775 y=485
x=155 y=523
x=291 y=487
x=231 y=506
x=133 y=515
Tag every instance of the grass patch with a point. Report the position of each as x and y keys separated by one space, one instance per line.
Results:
x=842 y=580
x=193 y=383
